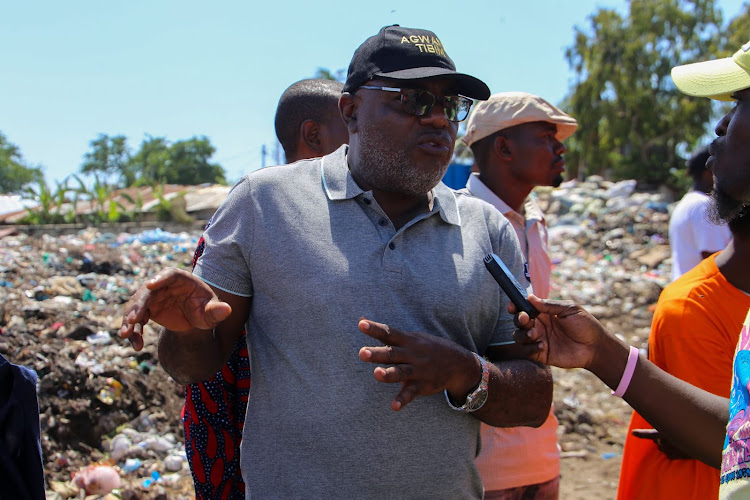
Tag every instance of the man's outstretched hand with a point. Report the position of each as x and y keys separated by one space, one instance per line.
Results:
x=175 y=299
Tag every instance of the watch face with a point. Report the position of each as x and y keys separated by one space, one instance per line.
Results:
x=476 y=400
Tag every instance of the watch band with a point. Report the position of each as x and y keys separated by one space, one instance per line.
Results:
x=475 y=399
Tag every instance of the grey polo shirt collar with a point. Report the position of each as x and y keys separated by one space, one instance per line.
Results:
x=339 y=184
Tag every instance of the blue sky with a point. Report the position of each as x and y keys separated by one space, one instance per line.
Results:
x=177 y=69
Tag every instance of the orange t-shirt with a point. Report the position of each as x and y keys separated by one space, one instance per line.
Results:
x=693 y=336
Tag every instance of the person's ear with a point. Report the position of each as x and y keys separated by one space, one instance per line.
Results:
x=348 y=107
x=310 y=134
x=502 y=147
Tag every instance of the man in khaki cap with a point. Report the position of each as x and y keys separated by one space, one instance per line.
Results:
x=516 y=140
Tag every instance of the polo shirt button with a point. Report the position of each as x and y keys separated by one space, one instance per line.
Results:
x=382 y=222
x=366 y=201
x=392 y=246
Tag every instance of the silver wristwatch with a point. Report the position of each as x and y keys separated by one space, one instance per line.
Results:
x=478 y=396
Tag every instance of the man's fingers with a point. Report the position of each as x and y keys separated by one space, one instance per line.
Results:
x=217 y=311
x=523 y=336
x=380 y=331
x=136 y=340
x=166 y=278
x=522 y=320
x=137 y=315
x=406 y=395
x=130 y=320
x=552 y=307
x=387 y=355
x=393 y=374
x=136 y=310
x=133 y=333
x=524 y=348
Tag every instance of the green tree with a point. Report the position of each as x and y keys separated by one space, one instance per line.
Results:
x=109 y=157
x=632 y=120
x=184 y=162
x=189 y=163
x=15 y=175
x=151 y=162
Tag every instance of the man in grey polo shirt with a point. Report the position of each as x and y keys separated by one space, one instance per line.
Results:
x=356 y=259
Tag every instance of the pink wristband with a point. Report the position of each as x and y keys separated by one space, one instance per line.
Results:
x=627 y=375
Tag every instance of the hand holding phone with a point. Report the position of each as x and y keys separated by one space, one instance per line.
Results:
x=509 y=284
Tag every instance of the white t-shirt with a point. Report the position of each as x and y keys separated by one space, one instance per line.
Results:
x=691 y=233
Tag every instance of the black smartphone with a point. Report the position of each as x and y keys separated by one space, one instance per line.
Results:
x=509 y=284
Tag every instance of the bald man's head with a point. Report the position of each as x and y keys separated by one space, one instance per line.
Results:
x=308 y=122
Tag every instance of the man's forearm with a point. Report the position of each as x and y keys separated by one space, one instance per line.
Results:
x=520 y=394
x=693 y=419
x=190 y=357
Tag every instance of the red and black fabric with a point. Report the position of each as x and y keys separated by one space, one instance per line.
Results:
x=213 y=418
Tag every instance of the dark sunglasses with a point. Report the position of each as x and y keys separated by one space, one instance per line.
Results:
x=419 y=102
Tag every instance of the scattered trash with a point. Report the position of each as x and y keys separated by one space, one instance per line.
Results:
x=155 y=477
x=131 y=464
x=97 y=479
x=111 y=392
x=99 y=338
x=173 y=463
x=119 y=447
x=103 y=407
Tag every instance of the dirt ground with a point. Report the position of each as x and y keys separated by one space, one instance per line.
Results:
x=591 y=472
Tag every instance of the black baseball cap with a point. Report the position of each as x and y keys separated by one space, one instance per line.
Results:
x=398 y=53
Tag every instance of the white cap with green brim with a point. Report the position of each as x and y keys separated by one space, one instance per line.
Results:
x=717 y=79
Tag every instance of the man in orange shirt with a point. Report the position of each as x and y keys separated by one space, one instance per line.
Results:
x=693 y=336
x=516 y=141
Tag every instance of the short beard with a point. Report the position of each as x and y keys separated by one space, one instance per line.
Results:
x=724 y=208
x=557 y=180
x=389 y=169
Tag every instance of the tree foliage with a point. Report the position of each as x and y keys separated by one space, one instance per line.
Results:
x=14 y=173
x=108 y=156
x=189 y=163
x=156 y=161
x=151 y=160
x=632 y=119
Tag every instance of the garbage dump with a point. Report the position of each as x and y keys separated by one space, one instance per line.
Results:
x=110 y=416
